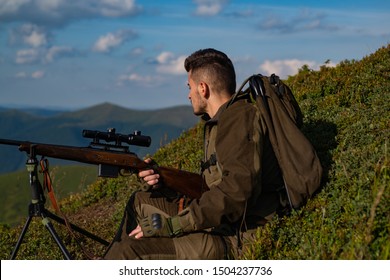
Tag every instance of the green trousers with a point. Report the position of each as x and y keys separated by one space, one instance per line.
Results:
x=197 y=245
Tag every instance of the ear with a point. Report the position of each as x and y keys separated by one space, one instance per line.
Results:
x=203 y=89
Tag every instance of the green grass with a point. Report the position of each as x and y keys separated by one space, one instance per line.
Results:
x=16 y=191
x=347 y=118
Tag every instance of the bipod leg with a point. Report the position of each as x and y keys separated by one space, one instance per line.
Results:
x=37 y=207
x=46 y=222
x=38 y=210
x=20 y=239
x=78 y=229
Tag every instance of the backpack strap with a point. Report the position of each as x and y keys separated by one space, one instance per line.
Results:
x=208 y=163
x=240 y=93
x=255 y=89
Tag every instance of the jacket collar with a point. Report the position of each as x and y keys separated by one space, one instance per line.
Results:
x=215 y=119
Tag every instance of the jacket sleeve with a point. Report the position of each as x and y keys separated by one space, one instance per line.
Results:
x=239 y=145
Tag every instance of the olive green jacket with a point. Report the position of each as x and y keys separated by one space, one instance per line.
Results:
x=241 y=171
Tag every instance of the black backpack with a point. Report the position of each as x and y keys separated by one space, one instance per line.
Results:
x=298 y=161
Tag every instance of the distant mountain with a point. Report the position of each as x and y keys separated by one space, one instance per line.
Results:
x=65 y=127
x=35 y=111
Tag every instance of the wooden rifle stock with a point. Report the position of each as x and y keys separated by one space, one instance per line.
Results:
x=184 y=182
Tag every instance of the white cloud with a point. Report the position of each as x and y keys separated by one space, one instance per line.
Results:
x=57 y=51
x=27 y=56
x=168 y=63
x=38 y=74
x=134 y=77
x=11 y=6
x=110 y=41
x=117 y=8
x=29 y=34
x=34 y=75
x=36 y=39
x=62 y=12
x=209 y=7
x=288 y=67
x=306 y=20
x=49 y=5
x=43 y=55
x=21 y=75
x=165 y=57
x=137 y=51
x=284 y=68
x=147 y=81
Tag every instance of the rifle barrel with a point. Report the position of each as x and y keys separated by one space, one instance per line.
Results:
x=12 y=142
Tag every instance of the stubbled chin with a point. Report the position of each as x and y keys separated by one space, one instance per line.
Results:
x=198 y=113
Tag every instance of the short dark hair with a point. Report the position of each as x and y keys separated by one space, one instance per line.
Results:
x=216 y=66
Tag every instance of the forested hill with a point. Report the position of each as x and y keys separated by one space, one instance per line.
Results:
x=347 y=118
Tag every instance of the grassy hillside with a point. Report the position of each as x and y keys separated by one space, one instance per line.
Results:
x=16 y=191
x=347 y=118
x=347 y=111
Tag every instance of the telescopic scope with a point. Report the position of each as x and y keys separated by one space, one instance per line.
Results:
x=110 y=136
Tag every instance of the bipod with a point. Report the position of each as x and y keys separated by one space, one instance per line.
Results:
x=37 y=209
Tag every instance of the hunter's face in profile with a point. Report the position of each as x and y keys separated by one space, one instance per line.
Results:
x=195 y=97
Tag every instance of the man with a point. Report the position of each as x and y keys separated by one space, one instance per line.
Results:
x=240 y=170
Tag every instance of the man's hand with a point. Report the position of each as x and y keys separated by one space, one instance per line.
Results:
x=149 y=176
x=157 y=225
x=137 y=232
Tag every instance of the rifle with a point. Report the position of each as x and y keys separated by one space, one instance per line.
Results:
x=112 y=159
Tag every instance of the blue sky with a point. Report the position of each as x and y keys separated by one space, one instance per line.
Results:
x=74 y=54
